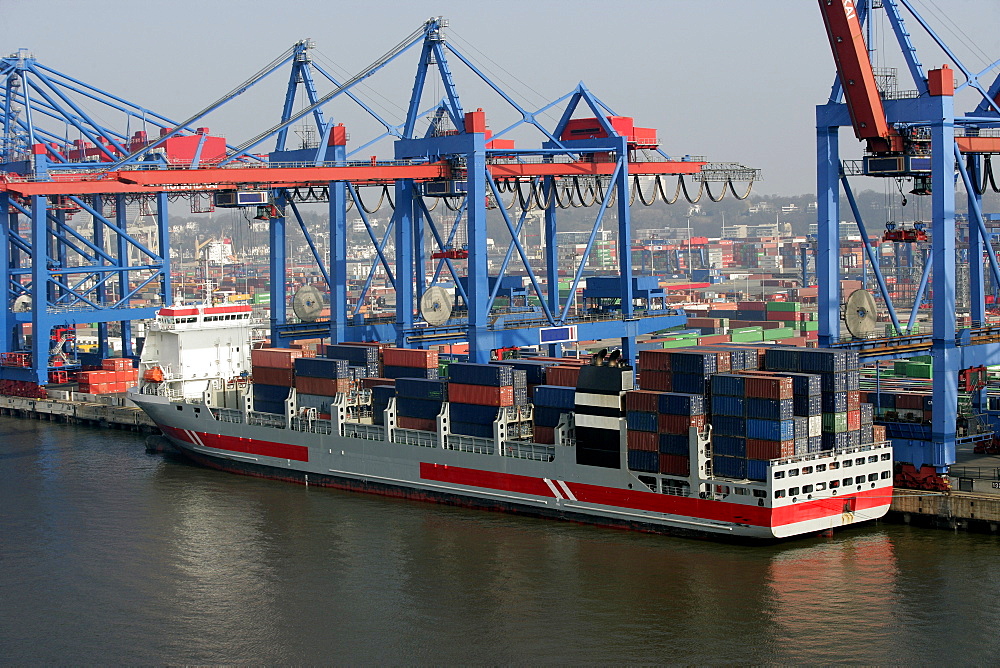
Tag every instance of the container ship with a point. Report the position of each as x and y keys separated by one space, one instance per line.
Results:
x=735 y=441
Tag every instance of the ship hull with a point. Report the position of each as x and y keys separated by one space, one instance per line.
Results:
x=557 y=489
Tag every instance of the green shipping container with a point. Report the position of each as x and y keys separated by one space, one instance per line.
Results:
x=899 y=367
x=919 y=370
x=784 y=306
x=779 y=333
x=835 y=423
x=748 y=337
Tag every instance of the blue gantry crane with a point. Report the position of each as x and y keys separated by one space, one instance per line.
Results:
x=913 y=135
x=442 y=152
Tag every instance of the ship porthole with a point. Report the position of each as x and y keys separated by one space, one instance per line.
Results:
x=794 y=499
x=835 y=492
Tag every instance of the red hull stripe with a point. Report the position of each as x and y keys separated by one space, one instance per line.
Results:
x=250 y=446
x=661 y=503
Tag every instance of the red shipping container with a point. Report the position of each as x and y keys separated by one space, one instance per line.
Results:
x=642 y=400
x=679 y=424
x=679 y=465
x=657 y=380
x=266 y=375
x=910 y=400
x=768 y=388
x=545 y=435
x=812 y=336
x=751 y=306
x=758 y=448
x=275 y=358
x=423 y=424
x=646 y=441
x=878 y=433
x=714 y=338
x=413 y=358
x=564 y=376
x=654 y=360
x=854 y=400
x=853 y=420
x=324 y=387
x=786 y=316
x=482 y=395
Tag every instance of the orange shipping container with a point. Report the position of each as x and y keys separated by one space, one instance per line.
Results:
x=275 y=358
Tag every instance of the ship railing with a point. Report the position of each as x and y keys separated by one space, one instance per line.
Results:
x=266 y=420
x=312 y=426
x=424 y=439
x=367 y=432
x=826 y=454
x=228 y=415
x=540 y=452
x=481 y=446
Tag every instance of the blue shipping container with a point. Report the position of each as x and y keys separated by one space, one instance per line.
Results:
x=756 y=469
x=422 y=388
x=771 y=430
x=727 y=405
x=731 y=446
x=270 y=392
x=555 y=396
x=677 y=403
x=770 y=409
x=728 y=384
x=473 y=429
x=466 y=373
x=689 y=383
x=639 y=421
x=474 y=413
x=729 y=467
x=321 y=367
x=729 y=426
x=674 y=444
x=548 y=416
x=648 y=462
x=426 y=409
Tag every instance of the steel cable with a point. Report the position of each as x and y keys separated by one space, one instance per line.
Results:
x=732 y=189
x=687 y=196
x=638 y=190
x=709 y=192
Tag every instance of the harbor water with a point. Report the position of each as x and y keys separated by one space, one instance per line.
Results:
x=112 y=555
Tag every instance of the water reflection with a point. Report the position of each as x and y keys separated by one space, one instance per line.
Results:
x=112 y=556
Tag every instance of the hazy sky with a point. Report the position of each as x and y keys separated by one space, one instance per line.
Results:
x=732 y=80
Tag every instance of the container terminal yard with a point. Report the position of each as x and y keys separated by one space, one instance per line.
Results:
x=478 y=245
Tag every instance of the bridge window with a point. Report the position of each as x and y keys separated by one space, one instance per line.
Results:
x=885 y=475
x=848 y=462
x=779 y=493
x=872 y=459
x=834 y=484
x=859 y=461
x=820 y=486
x=760 y=493
x=792 y=472
x=848 y=481
x=793 y=491
x=872 y=477
x=807 y=489
x=806 y=470
x=778 y=475
x=859 y=479
x=741 y=491
x=886 y=456
x=834 y=466
x=820 y=468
